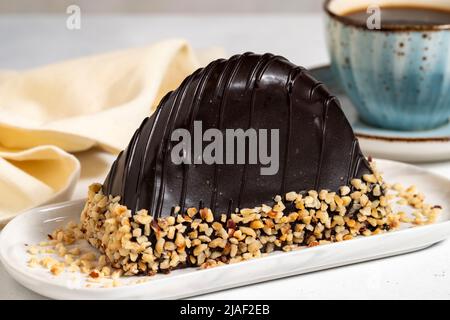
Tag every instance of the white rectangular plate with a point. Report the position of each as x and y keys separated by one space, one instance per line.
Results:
x=32 y=227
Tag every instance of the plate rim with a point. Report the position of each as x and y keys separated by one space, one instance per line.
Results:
x=33 y=277
x=403 y=139
x=20 y=275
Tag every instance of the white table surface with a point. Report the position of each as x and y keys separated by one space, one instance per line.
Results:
x=30 y=41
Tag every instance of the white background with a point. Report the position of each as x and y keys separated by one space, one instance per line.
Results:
x=164 y=6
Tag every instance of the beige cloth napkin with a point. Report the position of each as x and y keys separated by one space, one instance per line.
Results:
x=72 y=106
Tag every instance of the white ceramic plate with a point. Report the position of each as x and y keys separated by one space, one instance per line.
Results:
x=33 y=226
x=410 y=146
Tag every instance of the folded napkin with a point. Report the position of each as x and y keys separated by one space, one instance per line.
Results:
x=47 y=112
x=34 y=177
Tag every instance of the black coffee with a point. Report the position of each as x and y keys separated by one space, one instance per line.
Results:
x=405 y=16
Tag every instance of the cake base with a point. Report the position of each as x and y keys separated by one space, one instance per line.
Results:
x=139 y=244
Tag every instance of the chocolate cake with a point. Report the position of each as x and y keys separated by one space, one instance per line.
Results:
x=153 y=215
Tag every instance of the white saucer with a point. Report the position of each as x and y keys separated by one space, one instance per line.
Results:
x=410 y=146
x=33 y=226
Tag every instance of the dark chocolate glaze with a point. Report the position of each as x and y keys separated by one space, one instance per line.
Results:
x=318 y=149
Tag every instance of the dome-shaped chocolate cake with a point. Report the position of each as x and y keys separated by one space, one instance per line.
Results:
x=317 y=147
x=322 y=176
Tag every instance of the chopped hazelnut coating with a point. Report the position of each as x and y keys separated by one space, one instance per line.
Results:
x=195 y=238
x=137 y=243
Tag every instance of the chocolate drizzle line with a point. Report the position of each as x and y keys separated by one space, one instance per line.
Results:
x=257 y=73
x=223 y=101
x=318 y=149
x=205 y=73
x=292 y=76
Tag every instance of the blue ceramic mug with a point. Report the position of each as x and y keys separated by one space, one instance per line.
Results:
x=398 y=77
